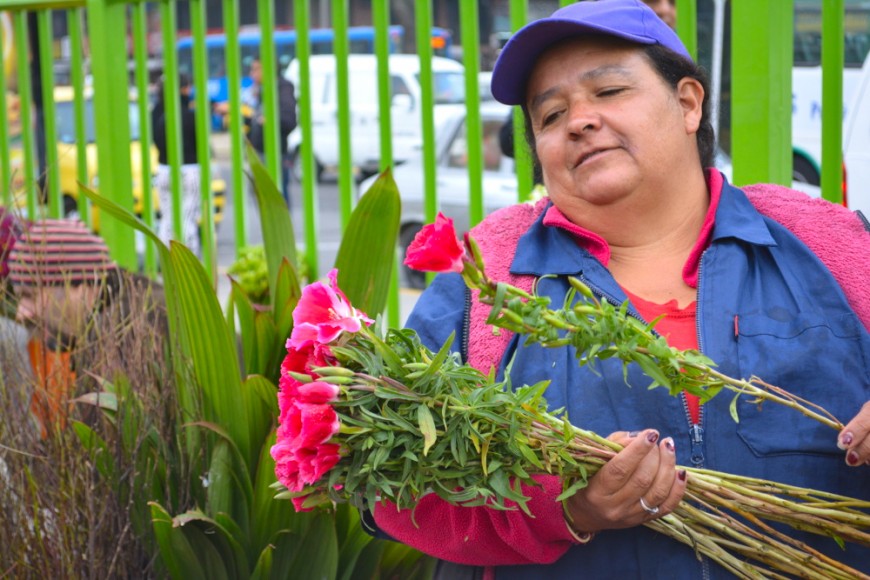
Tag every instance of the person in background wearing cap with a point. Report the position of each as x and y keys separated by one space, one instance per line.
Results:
x=617 y=116
x=57 y=270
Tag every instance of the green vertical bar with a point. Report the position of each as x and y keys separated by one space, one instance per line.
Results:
x=427 y=120
x=234 y=84
x=22 y=49
x=563 y=3
x=49 y=121
x=468 y=22
x=269 y=96
x=140 y=46
x=345 y=154
x=111 y=99
x=427 y=106
x=833 y=14
x=761 y=91
x=203 y=150
x=525 y=181
x=687 y=24
x=5 y=162
x=77 y=78
x=381 y=21
x=172 y=108
x=309 y=193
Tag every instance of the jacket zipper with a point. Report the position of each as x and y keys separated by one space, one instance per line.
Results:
x=466 y=327
x=696 y=431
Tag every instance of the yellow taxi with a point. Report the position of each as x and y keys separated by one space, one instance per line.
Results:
x=67 y=158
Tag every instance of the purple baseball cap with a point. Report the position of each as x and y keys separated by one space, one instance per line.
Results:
x=631 y=20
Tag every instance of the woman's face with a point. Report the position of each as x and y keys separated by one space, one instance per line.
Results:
x=606 y=125
x=664 y=9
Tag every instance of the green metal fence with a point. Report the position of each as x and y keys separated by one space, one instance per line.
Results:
x=97 y=36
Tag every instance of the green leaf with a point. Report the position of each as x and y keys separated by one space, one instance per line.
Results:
x=98 y=448
x=268 y=346
x=732 y=408
x=427 y=427
x=318 y=551
x=352 y=540
x=175 y=550
x=245 y=312
x=287 y=294
x=279 y=240
x=220 y=480
x=209 y=345
x=263 y=570
x=367 y=253
x=572 y=489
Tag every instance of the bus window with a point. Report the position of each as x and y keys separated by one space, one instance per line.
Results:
x=808 y=33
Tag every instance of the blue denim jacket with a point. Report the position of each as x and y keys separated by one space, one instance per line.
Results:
x=766 y=306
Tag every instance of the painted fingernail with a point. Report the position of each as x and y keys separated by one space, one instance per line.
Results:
x=681 y=474
x=633 y=433
x=652 y=436
x=669 y=444
x=845 y=440
x=852 y=458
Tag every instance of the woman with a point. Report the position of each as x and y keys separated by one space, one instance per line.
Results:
x=617 y=116
x=191 y=195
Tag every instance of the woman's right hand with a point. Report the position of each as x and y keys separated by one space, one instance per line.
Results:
x=639 y=484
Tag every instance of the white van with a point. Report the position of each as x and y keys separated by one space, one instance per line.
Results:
x=856 y=145
x=449 y=86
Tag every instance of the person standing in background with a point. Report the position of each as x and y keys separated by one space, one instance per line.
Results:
x=191 y=197
x=252 y=97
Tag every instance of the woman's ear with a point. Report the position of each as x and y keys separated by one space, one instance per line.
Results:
x=690 y=93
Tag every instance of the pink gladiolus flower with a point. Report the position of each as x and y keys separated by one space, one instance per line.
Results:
x=322 y=314
x=435 y=248
x=317 y=424
x=317 y=392
x=315 y=462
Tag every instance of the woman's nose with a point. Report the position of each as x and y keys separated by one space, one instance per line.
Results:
x=582 y=119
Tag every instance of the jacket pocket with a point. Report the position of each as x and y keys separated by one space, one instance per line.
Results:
x=822 y=360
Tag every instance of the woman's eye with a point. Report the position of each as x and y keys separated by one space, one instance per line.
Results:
x=549 y=118
x=610 y=92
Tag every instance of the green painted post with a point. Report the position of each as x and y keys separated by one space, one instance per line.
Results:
x=234 y=84
x=687 y=25
x=140 y=44
x=111 y=99
x=523 y=160
x=381 y=21
x=22 y=50
x=309 y=192
x=5 y=162
x=49 y=120
x=427 y=96
x=269 y=93
x=203 y=148
x=341 y=45
x=761 y=91
x=424 y=50
x=77 y=78
x=172 y=110
x=833 y=14
x=468 y=22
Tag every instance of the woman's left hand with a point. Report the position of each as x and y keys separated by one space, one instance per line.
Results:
x=854 y=439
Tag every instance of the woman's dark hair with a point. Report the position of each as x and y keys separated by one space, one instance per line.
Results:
x=671 y=67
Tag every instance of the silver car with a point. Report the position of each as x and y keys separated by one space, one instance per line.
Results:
x=452 y=182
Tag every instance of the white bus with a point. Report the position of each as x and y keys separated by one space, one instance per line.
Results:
x=807 y=79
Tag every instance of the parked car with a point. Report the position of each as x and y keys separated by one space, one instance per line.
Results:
x=449 y=87
x=452 y=184
x=68 y=162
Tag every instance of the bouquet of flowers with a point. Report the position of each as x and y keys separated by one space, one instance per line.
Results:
x=368 y=414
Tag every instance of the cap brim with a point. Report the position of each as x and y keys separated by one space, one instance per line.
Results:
x=519 y=55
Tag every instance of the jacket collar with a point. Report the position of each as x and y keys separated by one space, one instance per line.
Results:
x=545 y=249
